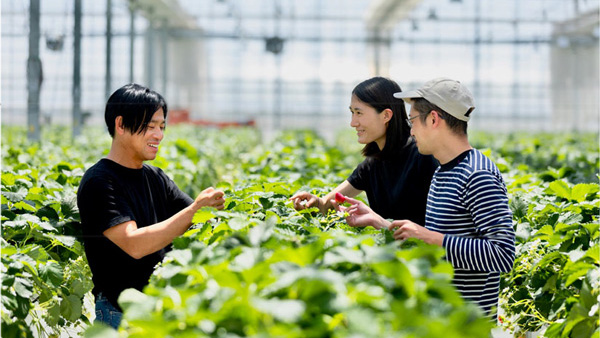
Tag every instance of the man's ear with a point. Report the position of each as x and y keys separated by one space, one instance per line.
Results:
x=435 y=118
x=387 y=115
x=119 y=129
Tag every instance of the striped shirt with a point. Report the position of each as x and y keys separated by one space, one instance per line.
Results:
x=468 y=203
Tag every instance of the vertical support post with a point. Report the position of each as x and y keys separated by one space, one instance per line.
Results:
x=77 y=116
x=131 y=41
x=477 y=53
x=108 y=75
x=150 y=56
x=278 y=92
x=278 y=64
x=516 y=92
x=376 y=45
x=34 y=73
x=164 y=56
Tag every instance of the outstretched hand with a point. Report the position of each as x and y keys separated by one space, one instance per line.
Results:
x=405 y=229
x=359 y=214
x=303 y=200
x=210 y=197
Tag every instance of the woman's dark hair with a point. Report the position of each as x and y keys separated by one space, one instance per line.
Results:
x=137 y=104
x=378 y=92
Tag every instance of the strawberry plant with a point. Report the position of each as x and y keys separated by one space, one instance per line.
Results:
x=555 y=276
x=45 y=276
x=261 y=268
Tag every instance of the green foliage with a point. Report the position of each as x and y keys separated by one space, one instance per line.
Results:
x=296 y=276
x=556 y=270
x=570 y=156
x=259 y=268
x=44 y=272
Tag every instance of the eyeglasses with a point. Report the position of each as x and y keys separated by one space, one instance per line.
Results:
x=409 y=119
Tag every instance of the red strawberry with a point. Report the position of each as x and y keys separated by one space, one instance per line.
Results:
x=339 y=198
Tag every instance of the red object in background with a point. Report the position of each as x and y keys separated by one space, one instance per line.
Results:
x=177 y=116
x=339 y=198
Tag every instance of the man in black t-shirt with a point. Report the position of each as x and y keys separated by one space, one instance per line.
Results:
x=130 y=211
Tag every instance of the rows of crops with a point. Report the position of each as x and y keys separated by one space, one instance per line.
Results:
x=261 y=269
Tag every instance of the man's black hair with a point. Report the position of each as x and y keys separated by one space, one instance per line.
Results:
x=136 y=104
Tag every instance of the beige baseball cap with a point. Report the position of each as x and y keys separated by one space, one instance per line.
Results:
x=450 y=95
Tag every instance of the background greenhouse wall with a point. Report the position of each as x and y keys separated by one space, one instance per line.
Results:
x=532 y=65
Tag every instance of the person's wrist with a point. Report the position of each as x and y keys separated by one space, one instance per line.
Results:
x=320 y=205
x=197 y=205
x=381 y=223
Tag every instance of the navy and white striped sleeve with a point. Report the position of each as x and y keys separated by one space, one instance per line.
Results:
x=493 y=247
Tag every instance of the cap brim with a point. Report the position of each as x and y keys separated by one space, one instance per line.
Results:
x=407 y=96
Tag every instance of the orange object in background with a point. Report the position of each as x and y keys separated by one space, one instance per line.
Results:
x=177 y=116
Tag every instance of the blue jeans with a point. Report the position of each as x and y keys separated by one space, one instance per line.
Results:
x=107 y=313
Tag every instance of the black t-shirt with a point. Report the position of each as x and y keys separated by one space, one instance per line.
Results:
x=110 y=194
x=397 y=187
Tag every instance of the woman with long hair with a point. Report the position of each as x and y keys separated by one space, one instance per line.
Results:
x=394 y=175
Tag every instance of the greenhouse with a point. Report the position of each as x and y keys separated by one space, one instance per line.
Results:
x=285 y=168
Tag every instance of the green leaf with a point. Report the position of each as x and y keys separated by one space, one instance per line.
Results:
x=265 y=202
x=67 y=241
x=587 y=299
x=51 y=273
x=8 y=179
x=24 y=205
x=238 y=223
x=560 y=189
x=53 y=314
x=285 y=310
x=77 y=288
x=63 y=166
x=594 y=253
x=398 y=272
x=576 y=315
x=46 y=226
x=584 y=328
x=203 y=215
x=362 y=320
x=23 y=287
x=21 y=310
x=100 y=330
x=261 y=233
x=16 y=196
x=575 y=255
x=48 y=212
x=245 y=260
x=183 y=257
x=519 y=207
x=582 y=191
x=544 y=233
x=70 y=308
x=577 y=274
x=135 y=304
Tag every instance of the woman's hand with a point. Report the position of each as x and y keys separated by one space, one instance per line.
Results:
x=359 y=214
x=303 y=200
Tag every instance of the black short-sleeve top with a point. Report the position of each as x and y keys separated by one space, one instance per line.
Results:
x=397 y=186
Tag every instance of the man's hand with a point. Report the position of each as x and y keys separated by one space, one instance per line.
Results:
x=405 y=229
x=210 y=197
x=303 y=200
x=359 y=214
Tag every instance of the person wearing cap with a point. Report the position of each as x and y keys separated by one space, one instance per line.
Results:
x=467 y=206
x=394 y=176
